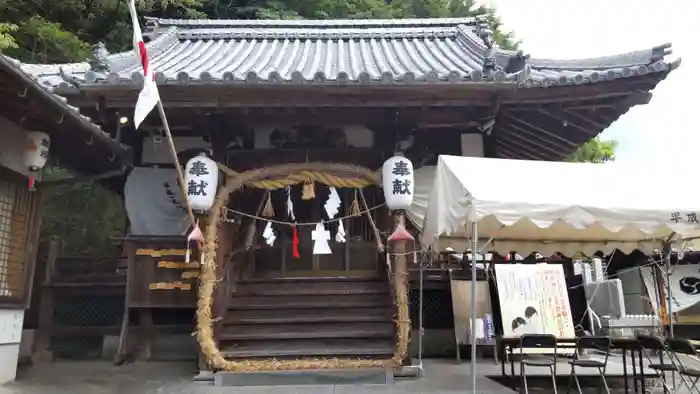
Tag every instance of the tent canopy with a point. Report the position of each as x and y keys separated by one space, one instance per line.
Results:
x=547 y=207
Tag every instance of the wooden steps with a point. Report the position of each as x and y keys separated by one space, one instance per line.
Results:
x=309 y=331
x=301 y=302
x=309 y=317
x=306 y=287
x=285 y=349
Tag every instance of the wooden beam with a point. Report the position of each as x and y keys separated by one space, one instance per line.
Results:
x=526 y=121
x=224 y=96
x=567 y=121
x=526 y=151
x=419 y=117
x=533 y=135
x=509 y=152
x=505 y=133
x=599 y=126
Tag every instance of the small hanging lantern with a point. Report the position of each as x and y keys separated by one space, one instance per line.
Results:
x=36 y=152
x=397 y=181
x=201 y=180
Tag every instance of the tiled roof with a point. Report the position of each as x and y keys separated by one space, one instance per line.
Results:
x=14 y=68
x=413 y=51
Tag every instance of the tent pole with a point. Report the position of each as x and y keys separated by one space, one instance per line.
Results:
x=669 y=304
x=420 y=316
x=472 y=332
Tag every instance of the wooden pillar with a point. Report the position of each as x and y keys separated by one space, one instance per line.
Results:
x=147 y=331
x=42 y=345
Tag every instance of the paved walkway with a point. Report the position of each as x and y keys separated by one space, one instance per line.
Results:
x=441 y=377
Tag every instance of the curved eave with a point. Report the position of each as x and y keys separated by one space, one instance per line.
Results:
x=538 y=78
x=73 y=134
x=553 y=131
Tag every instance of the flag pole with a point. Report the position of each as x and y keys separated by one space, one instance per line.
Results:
x=148 y=98
x=178 y=168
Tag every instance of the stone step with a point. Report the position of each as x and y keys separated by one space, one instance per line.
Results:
x=305 y=377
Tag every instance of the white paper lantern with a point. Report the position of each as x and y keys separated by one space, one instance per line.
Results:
x=36 y=150
x=201 y=179
x=397 y=181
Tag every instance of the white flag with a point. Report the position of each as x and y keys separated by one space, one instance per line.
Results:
x=148 y=97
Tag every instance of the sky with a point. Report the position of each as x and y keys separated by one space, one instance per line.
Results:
x=666 y=128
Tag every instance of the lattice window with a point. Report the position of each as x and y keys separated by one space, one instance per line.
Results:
x=15 y=207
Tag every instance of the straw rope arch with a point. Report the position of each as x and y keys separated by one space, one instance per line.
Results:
x=285 y=175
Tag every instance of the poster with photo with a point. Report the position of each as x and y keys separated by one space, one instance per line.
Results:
x=534 y=300
x=519 y=299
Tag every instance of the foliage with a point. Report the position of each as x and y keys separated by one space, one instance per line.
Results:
x=48 y=31
x=357 y=9
x=595 y=151
x=45 y=31
x=85 y=215
x=6 y=38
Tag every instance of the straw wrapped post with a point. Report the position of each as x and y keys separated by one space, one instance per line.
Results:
x=330 y=173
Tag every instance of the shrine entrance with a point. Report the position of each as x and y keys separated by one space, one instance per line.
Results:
x=299 y=205
x=356 y=257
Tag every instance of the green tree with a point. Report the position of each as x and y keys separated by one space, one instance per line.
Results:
x=6 y=39
x=595 y=150
x=47 y=31
x=357 y=9
x=76 y=211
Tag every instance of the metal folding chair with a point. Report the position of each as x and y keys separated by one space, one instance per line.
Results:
x=539 y=341
x=689 y=374
x=650 y=343
x=598 y=343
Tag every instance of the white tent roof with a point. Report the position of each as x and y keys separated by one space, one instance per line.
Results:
x=547 y=207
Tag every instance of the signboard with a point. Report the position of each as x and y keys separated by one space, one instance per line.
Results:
x=462 y=311
x=534 y=300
